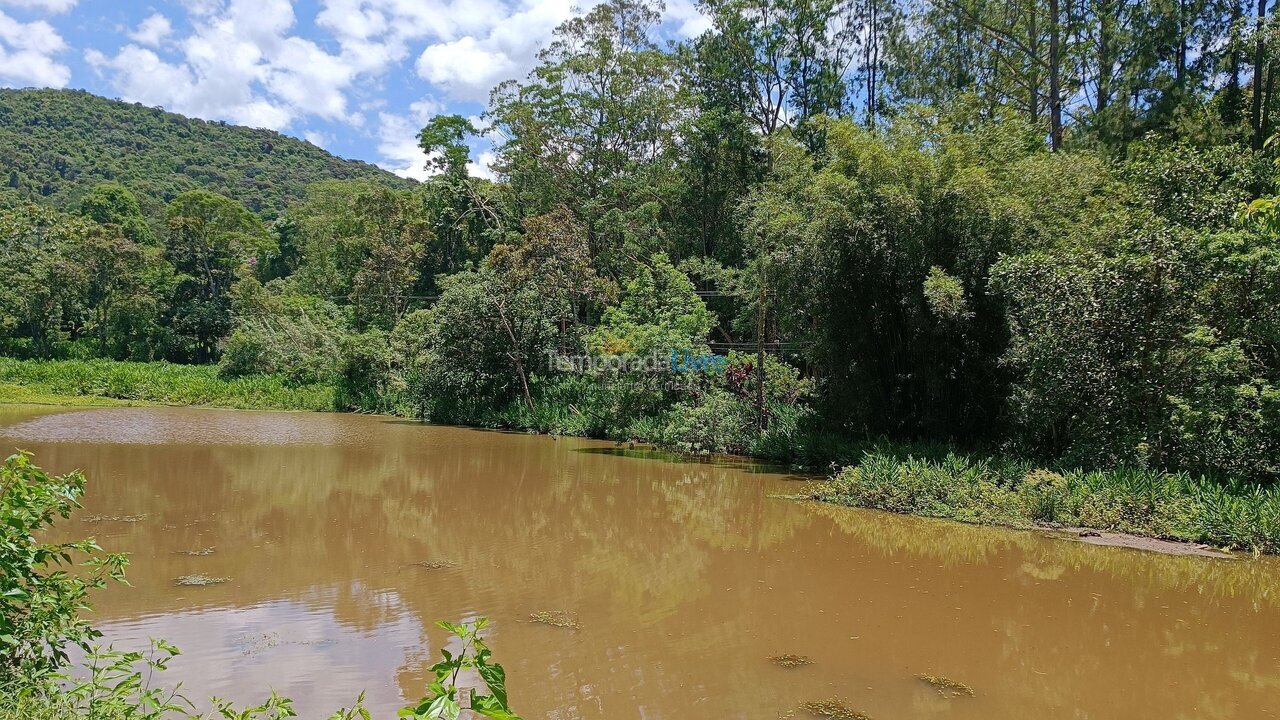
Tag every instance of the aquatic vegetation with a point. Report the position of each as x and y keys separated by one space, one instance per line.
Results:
x=434 y=564
x=199 y=580
x=833 y=709
x=202 y=552
x=555 y=618
x=254 y=644
x=789 y=660
x=113 y=518
x=946 y=686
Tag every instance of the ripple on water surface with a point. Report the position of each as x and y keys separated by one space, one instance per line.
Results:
x=186 y=426
x=338 y=540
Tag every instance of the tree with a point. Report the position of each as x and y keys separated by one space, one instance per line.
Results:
x=212 y=241
x=443 y=141
x=783 y=62
x=113 y=204
x=593 y=128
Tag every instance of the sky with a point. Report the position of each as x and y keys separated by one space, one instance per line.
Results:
x=358 y=78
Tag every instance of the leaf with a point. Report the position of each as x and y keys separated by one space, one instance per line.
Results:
x=488 y=706
x=496 y=678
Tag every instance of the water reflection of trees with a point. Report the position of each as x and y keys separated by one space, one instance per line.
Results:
x=1255 y=581
x=685 y=576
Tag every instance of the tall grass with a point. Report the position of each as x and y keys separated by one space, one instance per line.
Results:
x=1143 y=502
x=162 y=383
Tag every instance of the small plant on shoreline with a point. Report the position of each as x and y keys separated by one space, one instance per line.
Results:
x=45 y=585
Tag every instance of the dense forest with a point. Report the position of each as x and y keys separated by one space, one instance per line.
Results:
x=56 y=145
x=1013 y=225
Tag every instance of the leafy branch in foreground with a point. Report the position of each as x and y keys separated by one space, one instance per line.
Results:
x=444 y=699
x=44 y=585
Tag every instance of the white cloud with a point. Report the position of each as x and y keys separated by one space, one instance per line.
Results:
x=152 y=31
x=484 y=168
x=247 y=61
x=26 y=54
x=688 y=19
x=398 y=145
x=240 y=64
x=319 y=138
x=465 y=68
x=468 y=67
x=53 y=6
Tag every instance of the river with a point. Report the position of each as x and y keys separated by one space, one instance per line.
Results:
x=343 y=538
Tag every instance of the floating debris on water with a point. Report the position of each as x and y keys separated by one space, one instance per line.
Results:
x=555 y=618
x=790 y=660
x=113 y=518
x=833 y=709
x=434 y=564
x=254 y=644
x=946 y=686
x=199 y=580
x=202 y=552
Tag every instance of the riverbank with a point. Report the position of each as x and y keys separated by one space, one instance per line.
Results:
x=109 y=382
x=916 y=479
x=1148 y=503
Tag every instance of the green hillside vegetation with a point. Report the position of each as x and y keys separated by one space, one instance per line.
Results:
x=57 y=144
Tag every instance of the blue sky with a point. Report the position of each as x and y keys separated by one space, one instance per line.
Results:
x=356 y=77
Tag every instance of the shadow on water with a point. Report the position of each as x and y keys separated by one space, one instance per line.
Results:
x=731 y=462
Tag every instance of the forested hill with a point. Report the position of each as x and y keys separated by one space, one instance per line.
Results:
x=57 y=144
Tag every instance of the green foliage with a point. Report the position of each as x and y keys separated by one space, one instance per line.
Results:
x=76 y=287
x=210 y=241
x=163 y=383
x=443 y=141
x=114 y=204
x=45 y=585
x=658 y=312
x=58 y=144
x=445 y=700
x=1155 y=345
x=279 y=331
x=1145 y=502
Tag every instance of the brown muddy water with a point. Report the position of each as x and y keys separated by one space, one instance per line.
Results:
x=344 y=537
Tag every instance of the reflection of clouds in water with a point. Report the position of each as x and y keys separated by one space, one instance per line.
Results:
x=300 y=648
x=164 y=426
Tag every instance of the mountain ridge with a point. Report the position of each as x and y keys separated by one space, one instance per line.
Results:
x=57 y=144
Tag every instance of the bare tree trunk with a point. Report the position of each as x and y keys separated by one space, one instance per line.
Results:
x=1259 y=58
x=515 y=357
x=760 y=376
x=1055 y=79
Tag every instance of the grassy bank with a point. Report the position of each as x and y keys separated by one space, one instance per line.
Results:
x=923 y=480
x=993 y=492
x=107 y=382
